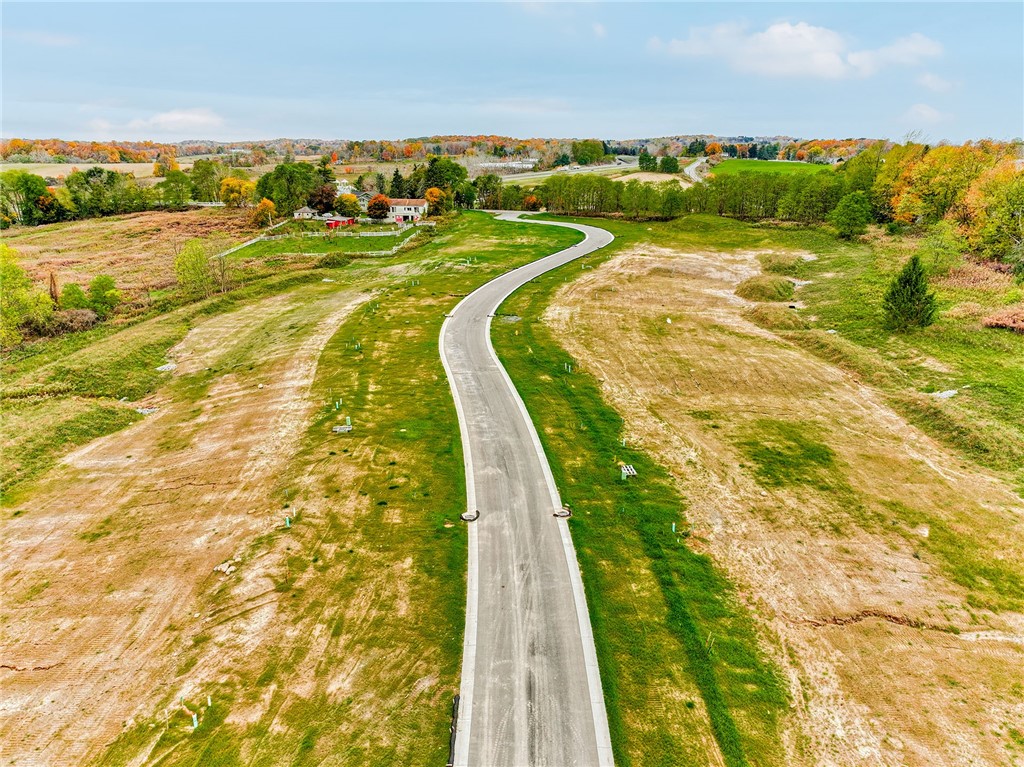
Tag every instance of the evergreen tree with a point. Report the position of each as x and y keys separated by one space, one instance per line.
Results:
x=908 y=303
x=397 y=185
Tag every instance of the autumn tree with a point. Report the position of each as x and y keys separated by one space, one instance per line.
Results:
x=995 y=213
x=192 y=269
x=321 y=199
x=908 y=303
x=436 y=200
x=378 y=207
x=165 y=161
x=712 y=149
x=531 y=202
x=236 y=192
x=347 y=205
x=263 y=213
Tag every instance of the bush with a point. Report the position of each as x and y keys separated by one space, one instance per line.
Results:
x=73 y=297
x=73 y=320
x=765 y=287
x=908 y=303
x=103 y=296
x=334 y=260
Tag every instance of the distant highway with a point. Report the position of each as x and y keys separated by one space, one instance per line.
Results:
x=530 y=692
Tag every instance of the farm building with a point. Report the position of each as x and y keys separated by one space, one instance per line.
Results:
x=304 y=212
x=407 y=209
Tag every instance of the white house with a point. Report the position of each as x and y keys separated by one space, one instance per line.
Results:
x=407 y=209
x=304 y=212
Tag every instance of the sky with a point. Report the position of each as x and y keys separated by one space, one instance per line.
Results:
x=241 y=71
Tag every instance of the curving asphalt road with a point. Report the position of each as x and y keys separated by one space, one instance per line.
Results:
x=531 y=692
x=692 y=170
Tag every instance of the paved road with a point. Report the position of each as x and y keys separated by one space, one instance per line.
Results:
x=531 y=693
x=692 y=170
x=621 y=165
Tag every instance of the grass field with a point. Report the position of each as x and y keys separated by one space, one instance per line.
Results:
x=849 y=535
x=768 y=166
x=338 y=639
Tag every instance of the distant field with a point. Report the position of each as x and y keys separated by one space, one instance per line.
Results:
x=768 y=166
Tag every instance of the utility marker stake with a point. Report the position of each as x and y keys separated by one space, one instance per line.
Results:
x=195 y=721
x=287 y=521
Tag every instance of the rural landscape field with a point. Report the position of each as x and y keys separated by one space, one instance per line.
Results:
x=649 y=392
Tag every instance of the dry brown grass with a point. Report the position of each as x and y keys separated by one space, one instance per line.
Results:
x=1011 y=318
x=858 y=612
x=137 y=249
x=976 y=276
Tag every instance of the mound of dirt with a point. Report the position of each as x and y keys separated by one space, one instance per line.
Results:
x=775 y=317
x=765 y=287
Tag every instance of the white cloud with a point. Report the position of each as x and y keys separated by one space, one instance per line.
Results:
x=924 y=114
x=599 y=30
x=796 y=50
x=934 y=83
x=175 y=124
x=179 y=121
x=44 y=39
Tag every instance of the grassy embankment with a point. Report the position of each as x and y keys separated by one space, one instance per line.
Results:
x=373 y=562
x=679 y=656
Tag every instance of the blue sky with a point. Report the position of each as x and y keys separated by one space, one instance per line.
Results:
x=247 y=71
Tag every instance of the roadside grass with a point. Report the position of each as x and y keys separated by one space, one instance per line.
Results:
x=373 y=567
x=679 y=656
x=768 y=166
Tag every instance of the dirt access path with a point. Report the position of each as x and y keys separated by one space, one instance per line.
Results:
x=855 y=560
x=104 y=572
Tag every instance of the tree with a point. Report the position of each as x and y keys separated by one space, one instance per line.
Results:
x=488 y=191
x=321 y=199
x=103 y=294
x=397 y=184
x=562 y=159
x=236 y=192
x=165 y=161
x=438 y=200
x=668 y=165
x=22 y=305
x=192 y=268
x=531 y=202
x=713 y=148
x=205 y=177
x=73 y=297
x=444 y=173
x=289 y=185
x=378 y=207
x=908 y=303
x=263 y=213
x=347 y=205
x=851 y=216
x=176 y=189
x=587 y=151
x=648 y=162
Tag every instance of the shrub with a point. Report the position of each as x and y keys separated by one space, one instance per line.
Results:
x=73 y=297
x=765 y=287
x=73 y=320
x=334 y=260
x=103 y=295
x=908 y=303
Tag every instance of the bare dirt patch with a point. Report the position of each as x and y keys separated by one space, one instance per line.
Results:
x=860 y=611
x=137 y=249
x=126 y=534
